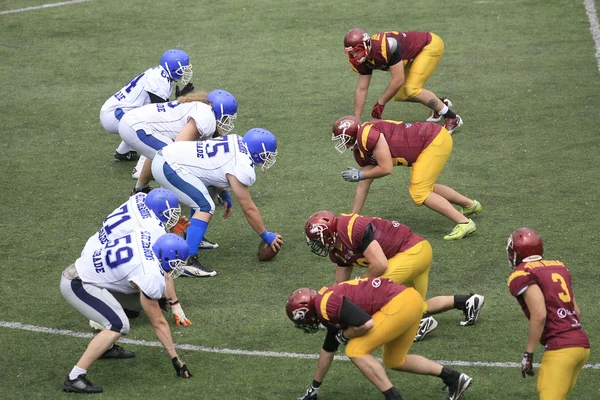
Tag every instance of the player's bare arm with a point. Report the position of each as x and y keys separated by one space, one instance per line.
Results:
x=356 y=331
x=385 y=165
x=378 y=262
x=396 y=82
x=189 y=132
x=360 y=95
x=161 y=327
x=362 y=191
x=577 y=310
x=342 y=274
x=534 y=298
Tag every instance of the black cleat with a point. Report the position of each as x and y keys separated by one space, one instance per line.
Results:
x=80 y=385
x=117 y=352
x=456 y=389
x=129 y=156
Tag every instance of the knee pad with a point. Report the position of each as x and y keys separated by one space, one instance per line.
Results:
x=418 y=195
x=392 y=362
x=411 y=92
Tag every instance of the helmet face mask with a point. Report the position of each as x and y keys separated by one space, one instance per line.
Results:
x=524 y=245
x=344 y=132
x=177 y=64
x=262 y=146
x=300 y=309
x=225 y=108
x=172 y=251
x=357 y=44
x=165 y=206
x=320 y=231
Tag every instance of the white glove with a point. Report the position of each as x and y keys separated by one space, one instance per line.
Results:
x=179 y=315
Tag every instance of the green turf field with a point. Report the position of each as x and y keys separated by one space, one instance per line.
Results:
x=522 y=74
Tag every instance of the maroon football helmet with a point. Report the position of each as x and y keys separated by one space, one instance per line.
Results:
x=300 y=308
x=357 y=44
x=524 y=244
x=344 y=131
x=321 y=232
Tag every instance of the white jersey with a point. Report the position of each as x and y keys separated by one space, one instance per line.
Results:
x=212 y=159
x=135 y=93
x=168 y=119
x=125 y=219
x=124 y=260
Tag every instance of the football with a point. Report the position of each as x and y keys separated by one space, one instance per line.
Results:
x=265 y=252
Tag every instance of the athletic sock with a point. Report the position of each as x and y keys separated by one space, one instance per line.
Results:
x=195 y=233
x=392 y=394
x=460 y=300
x=449 y=376
x=76 y=371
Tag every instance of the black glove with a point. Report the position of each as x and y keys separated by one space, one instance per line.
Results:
x=377 y=110
x=181 y=369
x=527 y=364
x=312 y=393
x=186 y=89
x=343 y=340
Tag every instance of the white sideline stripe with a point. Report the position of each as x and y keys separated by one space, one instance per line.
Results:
x=64 y=3
x=64 y=332
x=590 y=9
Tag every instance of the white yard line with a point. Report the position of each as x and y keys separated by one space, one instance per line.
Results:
x=64 y=3
x=590 y=9
x=191 y=347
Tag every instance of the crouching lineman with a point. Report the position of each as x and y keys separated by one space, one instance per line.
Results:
x=131 y=265
x=156 y=212
x=365 y=314
x=543 y=290
x=387 y=249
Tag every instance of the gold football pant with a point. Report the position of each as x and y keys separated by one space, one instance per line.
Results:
x=428 y=166
x=411 y=267
x=396 y=325
x=418 y=71
x=559 y=371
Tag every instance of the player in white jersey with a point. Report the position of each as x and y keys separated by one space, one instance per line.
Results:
x=155 y=212
x=134 y=266
x=151 y=86
x=192 y=117
x=187 y=168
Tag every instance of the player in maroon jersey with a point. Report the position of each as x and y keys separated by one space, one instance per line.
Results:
x=364 y=315
x=411 y=57
x=423 y=146
x=388 y=249
x=544 y=292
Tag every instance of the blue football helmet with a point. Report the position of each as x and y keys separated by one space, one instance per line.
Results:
x=165 y=205
x=172 y=251
x=177 y=64
x=225 y=107
x=262 y=145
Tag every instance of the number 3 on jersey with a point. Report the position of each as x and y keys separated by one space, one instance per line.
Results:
x=564 y=295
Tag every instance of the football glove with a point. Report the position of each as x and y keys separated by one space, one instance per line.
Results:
x=343 y=340
x=377 y=110
x=186 y=89
x=181 y=226
x=352 y=174
x=182 y=370
x=179 y=315
x=312 y=393
x=527 y=364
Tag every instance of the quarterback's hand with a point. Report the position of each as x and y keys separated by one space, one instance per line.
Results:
x=181 y=368
x=343 y=340
x=180 y=226
x=527 y=364
x=227 y=203
x=179 y=315
x=312 y=393
x=186 y=89
x=377 y=110
x=352 y=174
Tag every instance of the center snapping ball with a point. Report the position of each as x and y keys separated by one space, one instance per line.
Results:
x=265 y=252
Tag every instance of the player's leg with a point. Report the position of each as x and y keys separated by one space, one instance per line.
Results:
x=581 y=354
x=109 y=119
x=559 y=371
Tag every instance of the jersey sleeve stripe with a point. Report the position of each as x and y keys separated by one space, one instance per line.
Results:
x=365 y=137
x=350 y=226
x=515 y=275
x=384 y=47
x=324 y=305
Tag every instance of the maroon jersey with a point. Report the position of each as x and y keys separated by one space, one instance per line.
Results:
x=405 y=140
x=410 y=44
x=369 y=294
x=562 y=328
x=392 y=236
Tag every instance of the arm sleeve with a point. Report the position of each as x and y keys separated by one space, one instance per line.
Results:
x=352 y=315
x=331 y=345
x=155 y=99
x=395 y=58
x=367 y=238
